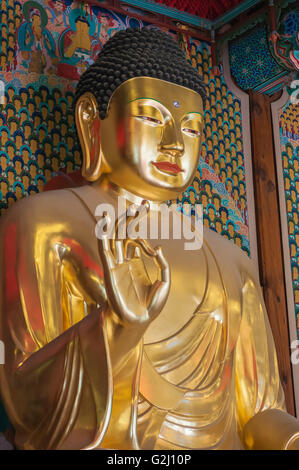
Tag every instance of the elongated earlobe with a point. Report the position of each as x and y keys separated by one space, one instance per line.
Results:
x=89 y=125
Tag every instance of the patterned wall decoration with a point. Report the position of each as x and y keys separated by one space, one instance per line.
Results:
x=284 y=43
x=289 y=142
x=219 y=184
x=251 y=61
x=54 y=42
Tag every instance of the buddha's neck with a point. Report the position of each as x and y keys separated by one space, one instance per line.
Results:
x=107 y=186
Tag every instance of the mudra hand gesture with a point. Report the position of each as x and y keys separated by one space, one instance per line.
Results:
x=131 y=293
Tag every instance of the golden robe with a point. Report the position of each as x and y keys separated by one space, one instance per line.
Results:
x=204 y=368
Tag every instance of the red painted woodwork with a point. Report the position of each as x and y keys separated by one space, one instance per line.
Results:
x=210 y=9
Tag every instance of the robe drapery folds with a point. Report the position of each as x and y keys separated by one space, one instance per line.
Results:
x=57 y=381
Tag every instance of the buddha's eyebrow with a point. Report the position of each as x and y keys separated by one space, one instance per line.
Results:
x=195 y=112
x=145 y=98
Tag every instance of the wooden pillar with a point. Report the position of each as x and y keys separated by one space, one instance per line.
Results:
x=269 y=235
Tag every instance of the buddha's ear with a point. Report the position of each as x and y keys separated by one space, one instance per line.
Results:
x=88 y=126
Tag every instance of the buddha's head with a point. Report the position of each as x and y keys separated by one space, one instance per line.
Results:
x=139 y=115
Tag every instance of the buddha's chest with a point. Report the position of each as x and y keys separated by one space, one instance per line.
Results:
x=204 y=282
x=204 y=290
x=203 y=285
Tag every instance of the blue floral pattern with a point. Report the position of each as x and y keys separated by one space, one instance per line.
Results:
x=251 y=61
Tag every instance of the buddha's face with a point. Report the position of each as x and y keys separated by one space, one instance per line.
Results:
x=55 y=164
x=62 y=152
x=40 y=185
x=70 y=142
x=10 y=177
x=3 y=163
x=4 y=137
x=10 y=151
x=238 y=242
x=19 y=142
x=33 y=145
x=51 y=104
x=217 y=204
x=36 y=21
x=23 y=97
x=13 y=127
x=44 y=94
x=56 y=139
x=291 y=227
x=70 y=120
x=44 y=113
x=40 y=160
x=37 y=100
x=31 y=108
x=50 y=125
x=218 y=227
x=42 y=135
x=25 y=181
x=48 y=149
x=27 y=131
x=48 y=174
x=64 y=107
x=151 y=137
x=70 y=100
x=69 y=167
x=3 y=187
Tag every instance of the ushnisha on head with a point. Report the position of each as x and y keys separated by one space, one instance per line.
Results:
x=139 y=115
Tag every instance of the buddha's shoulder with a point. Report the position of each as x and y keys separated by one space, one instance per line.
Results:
x=228 y=254
x=50 y=207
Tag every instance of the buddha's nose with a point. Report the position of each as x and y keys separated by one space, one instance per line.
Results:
x=172 y=140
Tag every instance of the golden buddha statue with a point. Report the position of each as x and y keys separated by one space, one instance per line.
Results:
x=101 y=352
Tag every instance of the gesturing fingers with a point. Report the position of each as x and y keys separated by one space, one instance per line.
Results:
x=159 y=291
x=119 y=251
x=162 y=264
x=106 y=255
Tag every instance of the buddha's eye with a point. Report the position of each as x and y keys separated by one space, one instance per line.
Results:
x=150 y=120
x=191 y=132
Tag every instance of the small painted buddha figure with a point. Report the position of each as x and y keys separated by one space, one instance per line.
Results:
x=112 y=343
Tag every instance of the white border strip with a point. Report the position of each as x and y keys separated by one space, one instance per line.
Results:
x=275 y=107
x=245 y=114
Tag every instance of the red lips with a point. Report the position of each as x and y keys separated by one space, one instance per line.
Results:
x=167 y=166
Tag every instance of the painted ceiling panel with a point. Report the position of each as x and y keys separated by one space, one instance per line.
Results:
x=210 y=9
